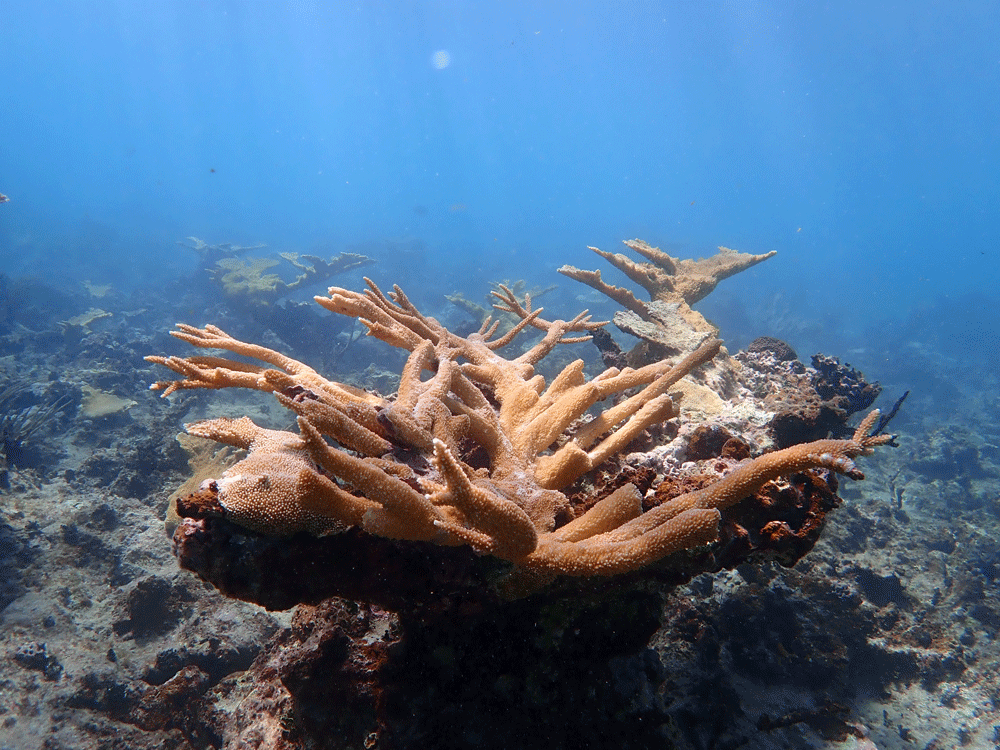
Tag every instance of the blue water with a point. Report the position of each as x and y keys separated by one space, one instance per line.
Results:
x=859 y=140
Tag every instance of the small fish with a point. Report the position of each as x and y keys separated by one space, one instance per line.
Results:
x=3 y=198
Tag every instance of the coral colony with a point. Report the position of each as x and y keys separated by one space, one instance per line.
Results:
x=479 y=452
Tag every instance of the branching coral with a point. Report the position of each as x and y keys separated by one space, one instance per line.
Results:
x=479 y=312
x=248 y=281
x=667 y=279
x=475 y=454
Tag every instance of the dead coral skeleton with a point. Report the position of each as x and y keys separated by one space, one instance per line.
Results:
x=476 y=453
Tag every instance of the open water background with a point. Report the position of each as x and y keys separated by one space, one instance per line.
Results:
x=463 y=142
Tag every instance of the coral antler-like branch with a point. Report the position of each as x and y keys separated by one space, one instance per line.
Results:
x=665 y=278
x=475 y=454
x=508 y=302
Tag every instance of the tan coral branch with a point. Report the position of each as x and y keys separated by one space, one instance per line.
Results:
x=468 y=455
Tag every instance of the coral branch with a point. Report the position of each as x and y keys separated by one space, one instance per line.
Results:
x=666 y=279
x=475 y=454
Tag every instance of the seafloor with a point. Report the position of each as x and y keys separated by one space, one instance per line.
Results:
x=884 y=635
